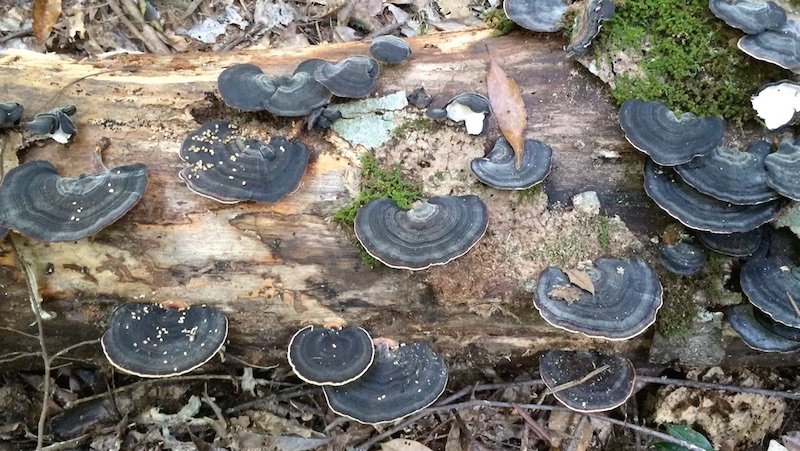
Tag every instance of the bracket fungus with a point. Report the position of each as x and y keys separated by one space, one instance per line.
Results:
x=472 y=108
x=401 y=381
x=731 y=175
x=606 y=390
x=682 y=258
x=56 y=124
x=668 y=139
x=431 y=233
x=390 y=49
x=627 y=296
x=151 y=340
x=329 y=356
x=588 y=22
x=323 y=118
x=536 y=15
x=228 y=169
x=737 y=244
x=760 y=332
x=773 y=286
x=10 y=114
x=699 y=211
x=783 y=169
x=777 y=104
x=750 y=16
x=353 y=77
x=38 y=203
x=246 y=87
x=297 y=95
x=498 y=170
x=780 y=47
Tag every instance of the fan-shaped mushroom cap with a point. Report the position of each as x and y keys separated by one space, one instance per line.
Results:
x=783 y=169
x=773 y=286
x=627 y=296
x=698 y=211
x=323 y=118
x=682 y=258
x=750 y=16
x=431 y=233
x=498 y=170
x=536 y=15
x=777 y=103
x=758 y=330
x=738 y=244
x=731 y=175
x=419 y=98
x=38 y=203
x=323 y=356
x=310 y=66
x=245 y=87
x=605 y=391
x=228 y=169
x=587 y=25
x=56 y=123
x=297 y=95
x=669 y=140
x=472 y=108
x=10 y=114
x=149 y=340
x=390 y=49
x=399 y=383
x=780 y=46
x=353 y=77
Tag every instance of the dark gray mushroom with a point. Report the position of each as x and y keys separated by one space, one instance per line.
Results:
x=731 y=175
x=773 y=286
x=777 y=103
x=400 y=382
x=323 y=118
x=228 y=169
x=668 y=139
x=587 y=25
x=750 y=16
x=472 y=108
x=780 y=46
x=740 y=244
x=245 y=87
x=310 y=66
x=783 y=169
x=38 y=203
x=682 y=258
x=698 y=211
x=353 y=77
x=56 y=123
x=390 y=49
x=431 y=233
x=330 y=356
x=10 y=114
x=536 y=15
x=297 y=95
x=760 y=332
x=151 y=340
x=627 y=296
x=604 y=391
x=498 y=170
x=419 y=98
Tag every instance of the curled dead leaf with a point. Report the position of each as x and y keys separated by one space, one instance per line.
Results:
x=508 y=107
x=580 y=279
x=568 y=294
x=45 y=15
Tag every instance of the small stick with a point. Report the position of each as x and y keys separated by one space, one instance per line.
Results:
x=794 y=304
x=571 y=384
x=534 y=425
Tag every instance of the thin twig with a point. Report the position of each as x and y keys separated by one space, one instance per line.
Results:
x=6 y=358
x=81 y=78
x=245 y=362
x=794 y=304
x=24 y=334
x=715 y=386
x=570 y=384
x=190 y=10
x=289 y=394
x=73 y=347
x=534 y=425
x=74 y=442
x=17 y=34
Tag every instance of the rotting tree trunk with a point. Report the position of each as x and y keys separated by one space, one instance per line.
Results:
x=272 y=268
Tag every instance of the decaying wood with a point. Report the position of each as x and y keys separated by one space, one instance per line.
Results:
x=273 y=268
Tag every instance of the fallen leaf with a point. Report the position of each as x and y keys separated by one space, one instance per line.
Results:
x=508 y=108
x=568 y=294
x=580 y=279
x=45 y=14
x=401 y=444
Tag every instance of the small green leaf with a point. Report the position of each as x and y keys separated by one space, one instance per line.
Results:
x=686 y=434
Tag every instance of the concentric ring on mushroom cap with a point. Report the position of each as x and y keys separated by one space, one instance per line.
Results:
x=229 y=170
x=587 y=25
x=498 y=169
x=780 y=46
x=353 y=77
x=245 y=87
x=783 y=169
x=759 y=333
x=750 y=16
x=399 y=383
x=626 y=300
x=431 y=233
x=56 y=124
x=682 y=258
x=773 y=285
x=669 y=140
x=731 y=175
x=698 y=211
x=10 y=114
x=323 y=356
x=390 y=49
x=536 y=15
x=738 y=244
x=38 y=203
x=148 y=340
x=297 y=95
x=605 y=391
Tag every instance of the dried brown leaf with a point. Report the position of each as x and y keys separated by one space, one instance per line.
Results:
x=45 y=15
x=568 y=294
x=508 y=107
x=580 y=279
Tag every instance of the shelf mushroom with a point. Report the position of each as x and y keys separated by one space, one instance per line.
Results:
x=587 y=24
x=152 y=340
x=354 y=77
x=470 y=107
x=783 y=169
x=627 y=296
x=777 y=103
x=330 y=356
x=699 y=211
x=431 y=233
x=402 y=380
x=56 y=124
x=760 y=332
x=737 y=244
x=10 y=114
x=669 y=140
x=772 y=284
x=536 y=15
x=223 y=167
x=777 y=46
x=390 y=49
x=606 y=390
x=38 y=203
x=682 y=258
x=498 y=170
x=750 y=16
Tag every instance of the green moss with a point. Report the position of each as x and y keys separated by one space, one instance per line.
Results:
x=679 y=310
x=574 y=244
x=414 y=125
x=528 y=196
x=602 y=232
x=368 y=260
x=496 y=19
x=690 y=58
